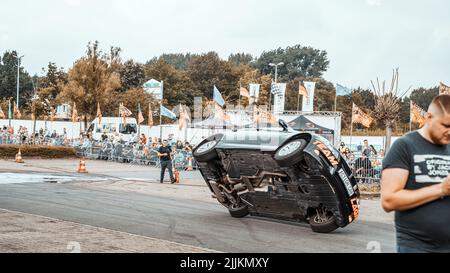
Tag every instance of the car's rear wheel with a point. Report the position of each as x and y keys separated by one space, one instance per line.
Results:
x=290 y=153
x=322 y=221
x=238 y=212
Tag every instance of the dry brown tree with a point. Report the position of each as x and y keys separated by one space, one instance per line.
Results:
x=388 y=104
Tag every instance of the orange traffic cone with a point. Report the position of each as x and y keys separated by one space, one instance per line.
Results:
x=190 y=168
x=177 y=177
x=82 y=167
x=19 y=157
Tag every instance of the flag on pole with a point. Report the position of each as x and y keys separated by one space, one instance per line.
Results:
x=218 y=97
x=2 y=115
x=272 y=119
x=124 y=112
x=150 y=116
x=99 y=113
x=184 y=118
x=17 y=113
x=74 y=113
x=140 y=116
x=254 y=90
x=302 y=90
x=417 y=114
x=244 y=92
x=52 y=114
x=444 y=89
x=220 y=113
x=358 y=116
x=342 y=90
x=275 y=89
x=308 y=102
x=167 y=113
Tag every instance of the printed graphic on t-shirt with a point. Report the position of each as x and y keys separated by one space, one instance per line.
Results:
x=431 y=168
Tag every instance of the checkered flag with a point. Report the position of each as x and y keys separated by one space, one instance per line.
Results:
x=275 y=89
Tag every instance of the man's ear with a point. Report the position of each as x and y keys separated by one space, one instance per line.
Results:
x=428 y=115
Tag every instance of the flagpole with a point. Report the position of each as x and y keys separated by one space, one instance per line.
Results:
x=351 y=127
x=410 y=107
x=160 y=121
x=240 y=86
x=139 y=124
x=335 y=102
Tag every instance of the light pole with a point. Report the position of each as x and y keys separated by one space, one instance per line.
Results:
x=18 y=74
x=276 y=68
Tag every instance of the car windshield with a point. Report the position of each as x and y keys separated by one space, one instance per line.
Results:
x=128 y=129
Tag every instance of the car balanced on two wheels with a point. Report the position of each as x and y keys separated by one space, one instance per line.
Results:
x=281 y=174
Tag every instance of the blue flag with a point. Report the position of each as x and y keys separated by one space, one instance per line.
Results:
x=218 y=97
x=342 y=90
x=167 y=113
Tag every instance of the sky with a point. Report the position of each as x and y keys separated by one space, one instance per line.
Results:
x=364 y=39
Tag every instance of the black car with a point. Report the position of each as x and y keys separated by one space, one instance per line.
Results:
x=280 y=173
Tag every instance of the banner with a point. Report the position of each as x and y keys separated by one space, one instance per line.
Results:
x=302 y=90
x=150 y=116
x=444 y=89
x=279 y=98
x=342 y=90
x=74 y=113
x=244 y=92
x=417 y=114
x=167 y=113
x=358 y=116
x=99 y=113
x=218 y=97
x=254 y=90
x=308 y=101
x=154 y=87
x=17 y=113
x=140 y=116
x=2 y=115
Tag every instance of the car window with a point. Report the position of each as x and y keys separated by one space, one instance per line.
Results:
x=128 y=129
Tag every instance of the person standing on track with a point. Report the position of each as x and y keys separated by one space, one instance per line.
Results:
x=165 y=158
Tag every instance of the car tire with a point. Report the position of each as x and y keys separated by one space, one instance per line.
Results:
x=291 y=158
x=325 y=227
x=238 y=212
x=207 y=155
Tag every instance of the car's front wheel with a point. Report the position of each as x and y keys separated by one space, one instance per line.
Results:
x=322 y=221
x=290 y=153
x=238 y=212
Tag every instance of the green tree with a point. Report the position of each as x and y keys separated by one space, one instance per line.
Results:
x=299 y=61
x=423 y=96
x=132 y=75
x=93 y=79
x=8 y=79
x=240 y=58
x=178 y=88
x=177 y=60
x=209 y=70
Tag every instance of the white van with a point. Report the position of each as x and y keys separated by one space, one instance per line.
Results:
x=113 y=125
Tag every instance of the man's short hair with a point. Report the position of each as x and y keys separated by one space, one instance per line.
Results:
x=441 y=103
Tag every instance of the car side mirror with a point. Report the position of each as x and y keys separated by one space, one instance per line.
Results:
x=283 y=124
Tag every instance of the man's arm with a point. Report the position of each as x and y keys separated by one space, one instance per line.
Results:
x=394 y=196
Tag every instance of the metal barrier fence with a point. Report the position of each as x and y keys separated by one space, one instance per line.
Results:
x=366 y=170
x=133 y=154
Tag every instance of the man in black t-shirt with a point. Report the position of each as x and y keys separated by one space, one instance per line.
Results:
x=165 y=158
x=415 y=183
